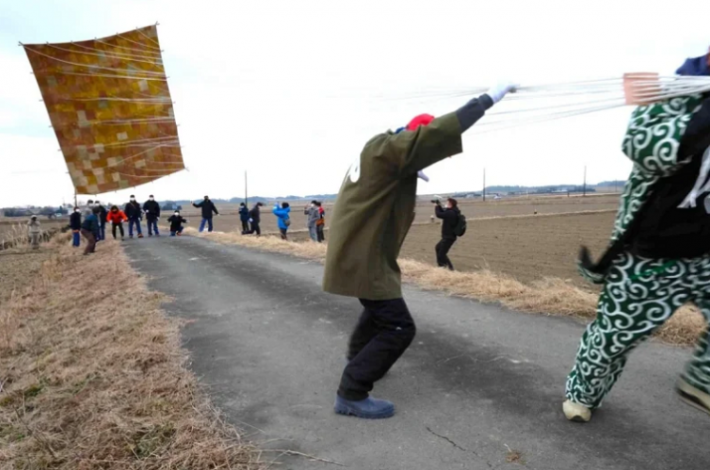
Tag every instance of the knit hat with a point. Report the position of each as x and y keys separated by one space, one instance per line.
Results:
x=421 y=120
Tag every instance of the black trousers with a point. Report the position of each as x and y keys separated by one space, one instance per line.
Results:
x=113 y=229
x=442 y=251
x=385 y=330
x=254 y=228
x=245 y=226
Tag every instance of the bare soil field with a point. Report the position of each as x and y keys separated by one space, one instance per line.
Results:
x=526 y=248
x=525 y=205
x=504 y=235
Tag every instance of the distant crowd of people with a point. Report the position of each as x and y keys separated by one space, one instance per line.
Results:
x=251 y=219
x=90 y=222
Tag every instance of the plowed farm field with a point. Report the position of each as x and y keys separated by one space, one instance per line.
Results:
x=527 y=238
x=526 y=248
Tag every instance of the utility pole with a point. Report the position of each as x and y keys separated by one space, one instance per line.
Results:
x=484 y=185
x=75 y=203
x=584 y=185
x=246 y=193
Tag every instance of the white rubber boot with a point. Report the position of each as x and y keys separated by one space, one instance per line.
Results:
x=576 y=412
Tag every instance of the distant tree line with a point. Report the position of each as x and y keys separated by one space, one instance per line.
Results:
x=48 y=211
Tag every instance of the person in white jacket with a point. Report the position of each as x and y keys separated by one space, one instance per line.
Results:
x=35 y=231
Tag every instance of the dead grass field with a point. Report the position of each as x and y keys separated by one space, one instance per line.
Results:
x=91 y=372
x=11 y=228
x=548 y=296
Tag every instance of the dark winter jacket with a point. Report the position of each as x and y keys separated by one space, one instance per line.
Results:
x=102 y=215
x=176 y=222
x=133 y=211
x=449 y=220
x=674 y=223
x=152 y=210
x=255 y=214
x=243 y=214
x=91 y=224
x=207 y=208
x=75 y=221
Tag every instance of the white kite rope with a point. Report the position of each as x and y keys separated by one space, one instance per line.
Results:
x=546 y=102
x=609 y=85
x=125 y=159
x=118 y=122
x=132 y=50
x=114 y=53
x=147 y=37
x=103 y=55
x=168 y=172
x=101 y=67
x=170 y=139
x=59 y=72
x=147 y=47
x=612 y=101
x=156 y=100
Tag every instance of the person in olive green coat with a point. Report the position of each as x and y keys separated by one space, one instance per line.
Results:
x=371 y=218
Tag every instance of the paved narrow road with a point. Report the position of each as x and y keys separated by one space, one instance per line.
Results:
x=478 y=381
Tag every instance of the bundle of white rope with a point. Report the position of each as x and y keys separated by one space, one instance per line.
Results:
x=546 y=102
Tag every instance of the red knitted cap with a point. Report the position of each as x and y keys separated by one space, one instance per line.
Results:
x=421 y=120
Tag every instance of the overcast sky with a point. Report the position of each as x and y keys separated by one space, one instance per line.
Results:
x=291 y=90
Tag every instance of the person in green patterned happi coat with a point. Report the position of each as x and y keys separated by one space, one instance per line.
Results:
x=659 y=256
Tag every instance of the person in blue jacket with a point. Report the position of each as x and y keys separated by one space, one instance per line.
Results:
x=282 y=214
x=244 y=217
x=90 y=230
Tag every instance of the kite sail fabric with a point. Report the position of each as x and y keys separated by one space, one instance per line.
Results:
x=110 y=107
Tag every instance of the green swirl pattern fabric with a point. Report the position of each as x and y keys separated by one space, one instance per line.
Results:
x=651 y=142
x=639 y=296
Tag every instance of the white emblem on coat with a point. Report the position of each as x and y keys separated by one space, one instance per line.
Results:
x=702 y=185
x=354 y=171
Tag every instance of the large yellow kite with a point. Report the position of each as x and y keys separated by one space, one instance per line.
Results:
x=110 y=107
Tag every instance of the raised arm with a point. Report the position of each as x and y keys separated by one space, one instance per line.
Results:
x=442 y=213
x=412 y=151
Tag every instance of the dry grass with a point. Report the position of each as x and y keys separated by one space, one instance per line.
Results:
x=514 y=456
x=549 y=296
x=17 y=236
x=92 y=375
x=310 y=250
